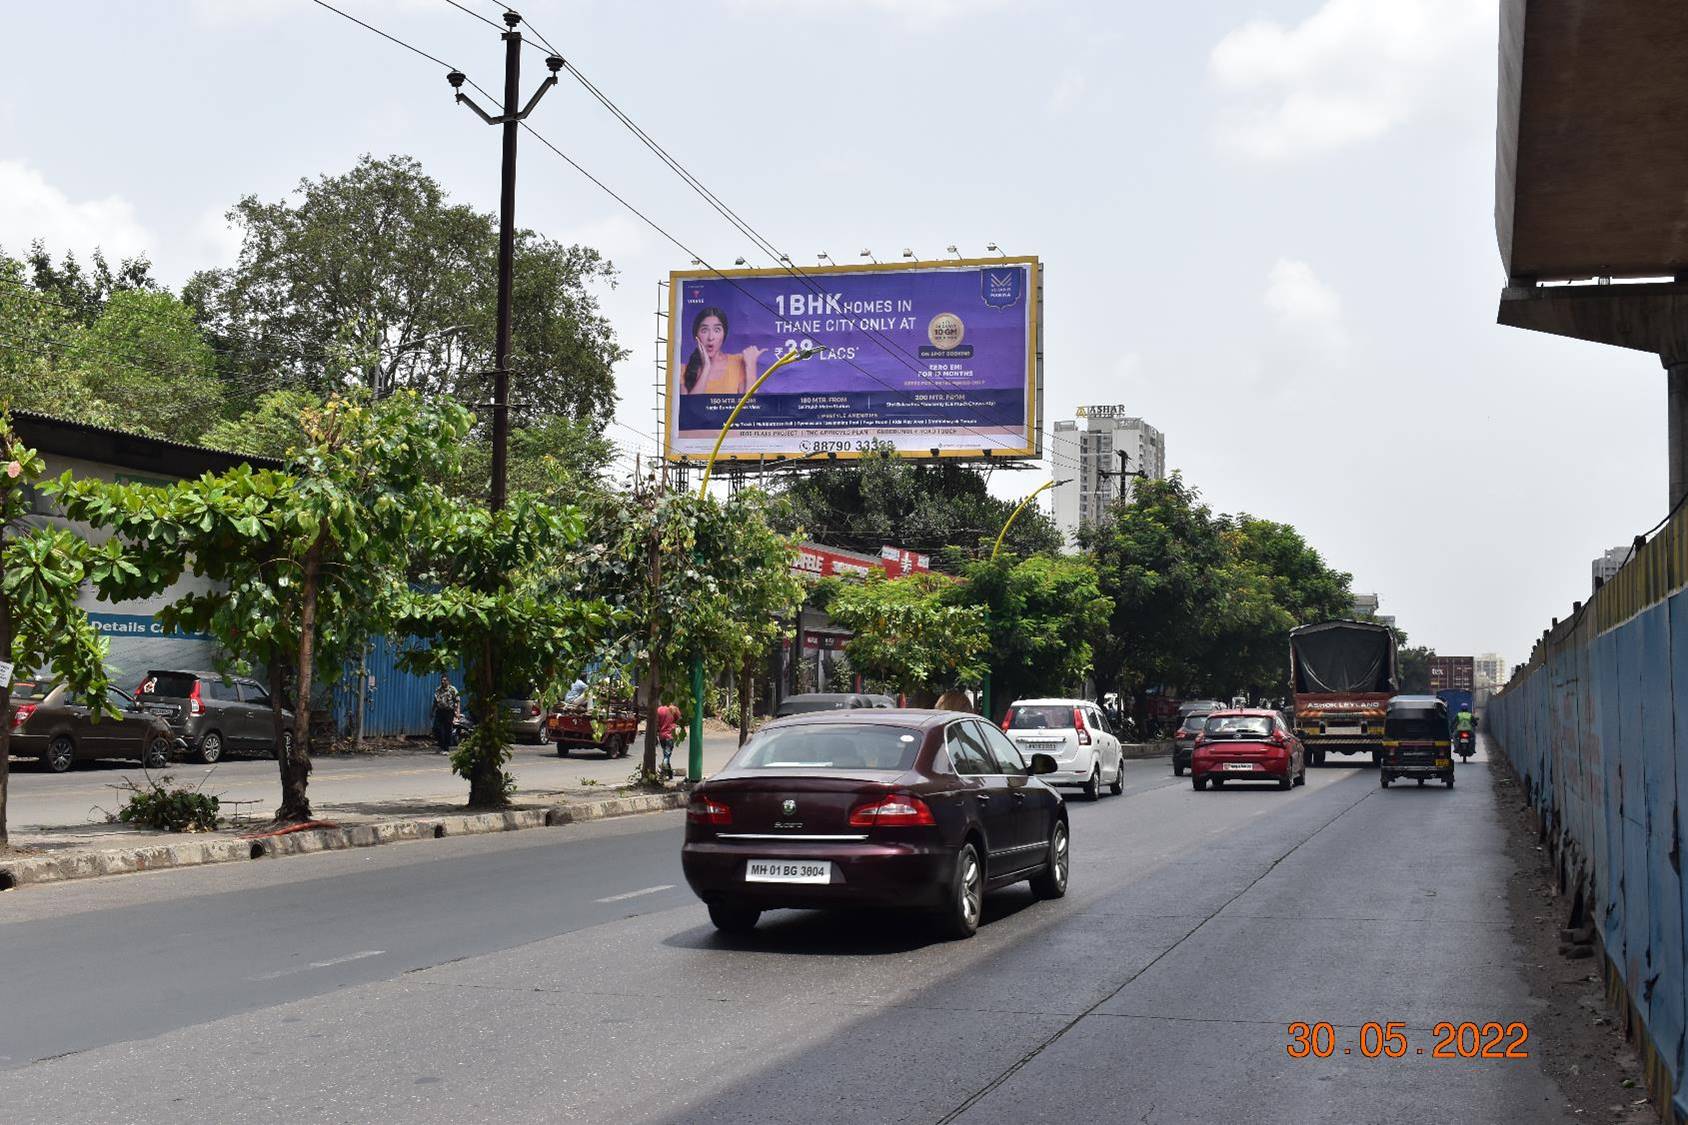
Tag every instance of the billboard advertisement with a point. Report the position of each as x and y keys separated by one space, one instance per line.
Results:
x=906 y=358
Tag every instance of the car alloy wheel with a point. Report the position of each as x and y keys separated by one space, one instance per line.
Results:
x=1118 y=785
x=61 y=754
x=157 y=754
x=1288 y=779
x=1051 y=882
x=211 y=748
x=967 y=896
x=1093 y=787
x=1177 y=770
x=1198 y=783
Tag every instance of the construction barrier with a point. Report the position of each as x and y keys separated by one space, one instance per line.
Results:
x=1591 y=725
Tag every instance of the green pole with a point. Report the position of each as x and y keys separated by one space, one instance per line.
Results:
x=694 y=749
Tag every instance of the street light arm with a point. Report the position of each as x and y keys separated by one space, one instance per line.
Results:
x=709 y=465
x=1036 y=492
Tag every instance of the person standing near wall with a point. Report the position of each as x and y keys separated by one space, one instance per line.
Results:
x=446 y=704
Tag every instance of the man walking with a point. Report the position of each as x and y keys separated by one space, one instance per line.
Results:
x=445 y=713
x=667 y=719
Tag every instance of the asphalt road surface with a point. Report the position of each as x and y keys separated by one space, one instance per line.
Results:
x=567 y=975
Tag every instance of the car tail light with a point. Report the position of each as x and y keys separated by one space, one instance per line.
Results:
x=1078 y=725
x=195 y=707
x=1277 y=738
x=1008 y=719
x=704 y=810
x=533 y=708
x=21 y=716
x=895 y=810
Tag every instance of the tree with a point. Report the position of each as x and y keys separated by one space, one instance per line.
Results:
x=1412 y=667
x=483 y=598
x=1159 y=558
x=907 y=634
x=42 y=571
x=274 y=427
x=84 y=293
x=1046 y=614
x=943 y=510
x=374 y=277
x=303 y=564
x=145 y=355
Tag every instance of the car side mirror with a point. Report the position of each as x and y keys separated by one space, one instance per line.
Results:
x=1043 y=763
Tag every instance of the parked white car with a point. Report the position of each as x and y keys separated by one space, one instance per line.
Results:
x=1074 y=733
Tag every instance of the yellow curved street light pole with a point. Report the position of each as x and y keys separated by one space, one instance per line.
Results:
x=694 y=740
x=985 y=693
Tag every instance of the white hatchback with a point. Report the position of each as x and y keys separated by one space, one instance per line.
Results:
x=1076 y=735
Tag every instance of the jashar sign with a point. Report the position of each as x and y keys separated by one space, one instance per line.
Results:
x=907 y=358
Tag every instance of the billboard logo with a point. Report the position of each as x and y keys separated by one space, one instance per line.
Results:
x=1002 y=288
x=946 y=331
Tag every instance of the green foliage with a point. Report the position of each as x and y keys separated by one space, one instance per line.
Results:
x=1412 y=667
x=907 y=633
x=943 y=510
x=552 y=457
x=83 y=292
x=301 y=566
x=42 y=571
x=272 y=428
x=485 y=595
x=169 y=808
x=1047 y=613
x=374 y=277
x=1203 y=602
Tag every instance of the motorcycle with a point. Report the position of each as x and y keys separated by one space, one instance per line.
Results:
x=1466 y=745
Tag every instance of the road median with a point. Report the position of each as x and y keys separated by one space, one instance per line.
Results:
x=77 y=862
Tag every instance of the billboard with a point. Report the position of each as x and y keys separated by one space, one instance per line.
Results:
x=907 y=358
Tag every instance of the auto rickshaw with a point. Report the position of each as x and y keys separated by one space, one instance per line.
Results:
x=1416 y=743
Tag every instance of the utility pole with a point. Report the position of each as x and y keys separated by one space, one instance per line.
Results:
x=510 y=120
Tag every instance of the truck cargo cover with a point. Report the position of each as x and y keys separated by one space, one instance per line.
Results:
x=1343 y=659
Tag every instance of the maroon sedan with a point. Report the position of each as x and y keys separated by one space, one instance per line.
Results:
x=874 y=808
x=1247 y=746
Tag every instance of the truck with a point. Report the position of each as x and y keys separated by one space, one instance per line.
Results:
x=1342 y=676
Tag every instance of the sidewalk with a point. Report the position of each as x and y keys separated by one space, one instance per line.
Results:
x=60 y=830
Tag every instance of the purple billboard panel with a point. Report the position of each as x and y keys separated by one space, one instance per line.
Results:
x=907 y=358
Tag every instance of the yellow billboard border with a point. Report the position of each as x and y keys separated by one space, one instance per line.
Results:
x=1034 y=343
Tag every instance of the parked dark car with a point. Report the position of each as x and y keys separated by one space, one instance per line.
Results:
x=874 y=808
x=56 y=725
x=1247 y=745
x=213 y=715
x=811 y=701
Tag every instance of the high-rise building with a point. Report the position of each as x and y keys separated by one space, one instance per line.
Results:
x=1490 y=670
x=1088 y=466
x=1606 y=565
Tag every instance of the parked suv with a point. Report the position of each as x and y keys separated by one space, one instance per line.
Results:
x=213 y=715
x=1076 y=735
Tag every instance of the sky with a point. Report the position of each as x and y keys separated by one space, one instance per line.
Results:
x=1266 y=226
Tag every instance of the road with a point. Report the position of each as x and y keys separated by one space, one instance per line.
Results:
x=566 y=974
x=41 y=800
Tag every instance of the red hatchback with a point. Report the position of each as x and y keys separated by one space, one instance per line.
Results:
x=1247 y=745
x=876 y=808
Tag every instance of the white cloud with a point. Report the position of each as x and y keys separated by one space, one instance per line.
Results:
x=35 y=209
x=915 y=13
x=1068 y=92
x=216 y=239
x=1304 y=306
x=1348 y=73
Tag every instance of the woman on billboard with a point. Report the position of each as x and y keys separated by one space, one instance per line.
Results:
x=710 y=370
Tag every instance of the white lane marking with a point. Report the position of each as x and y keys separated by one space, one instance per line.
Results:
x=332 y=961
x=635 y=894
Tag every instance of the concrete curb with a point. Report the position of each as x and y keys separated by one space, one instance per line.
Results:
x=1145 y=749
x=193 y=853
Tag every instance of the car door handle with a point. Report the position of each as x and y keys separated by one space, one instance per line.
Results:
x=985 y=797
x=1018 y=796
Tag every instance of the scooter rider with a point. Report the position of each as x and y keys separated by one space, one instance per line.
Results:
x=1465 y=726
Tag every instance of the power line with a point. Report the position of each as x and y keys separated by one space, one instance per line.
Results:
x=474 y=14
x=383 y=34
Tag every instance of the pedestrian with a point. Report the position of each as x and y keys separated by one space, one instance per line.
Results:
x=445 y=713
x=667 y=719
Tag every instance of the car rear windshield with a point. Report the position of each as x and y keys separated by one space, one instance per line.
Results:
x=1195 y=722
x=32 y=691
x=1042 y=718
x=827 y=747
x=1239 y=726
x=1423 y=725
x=167 y=685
